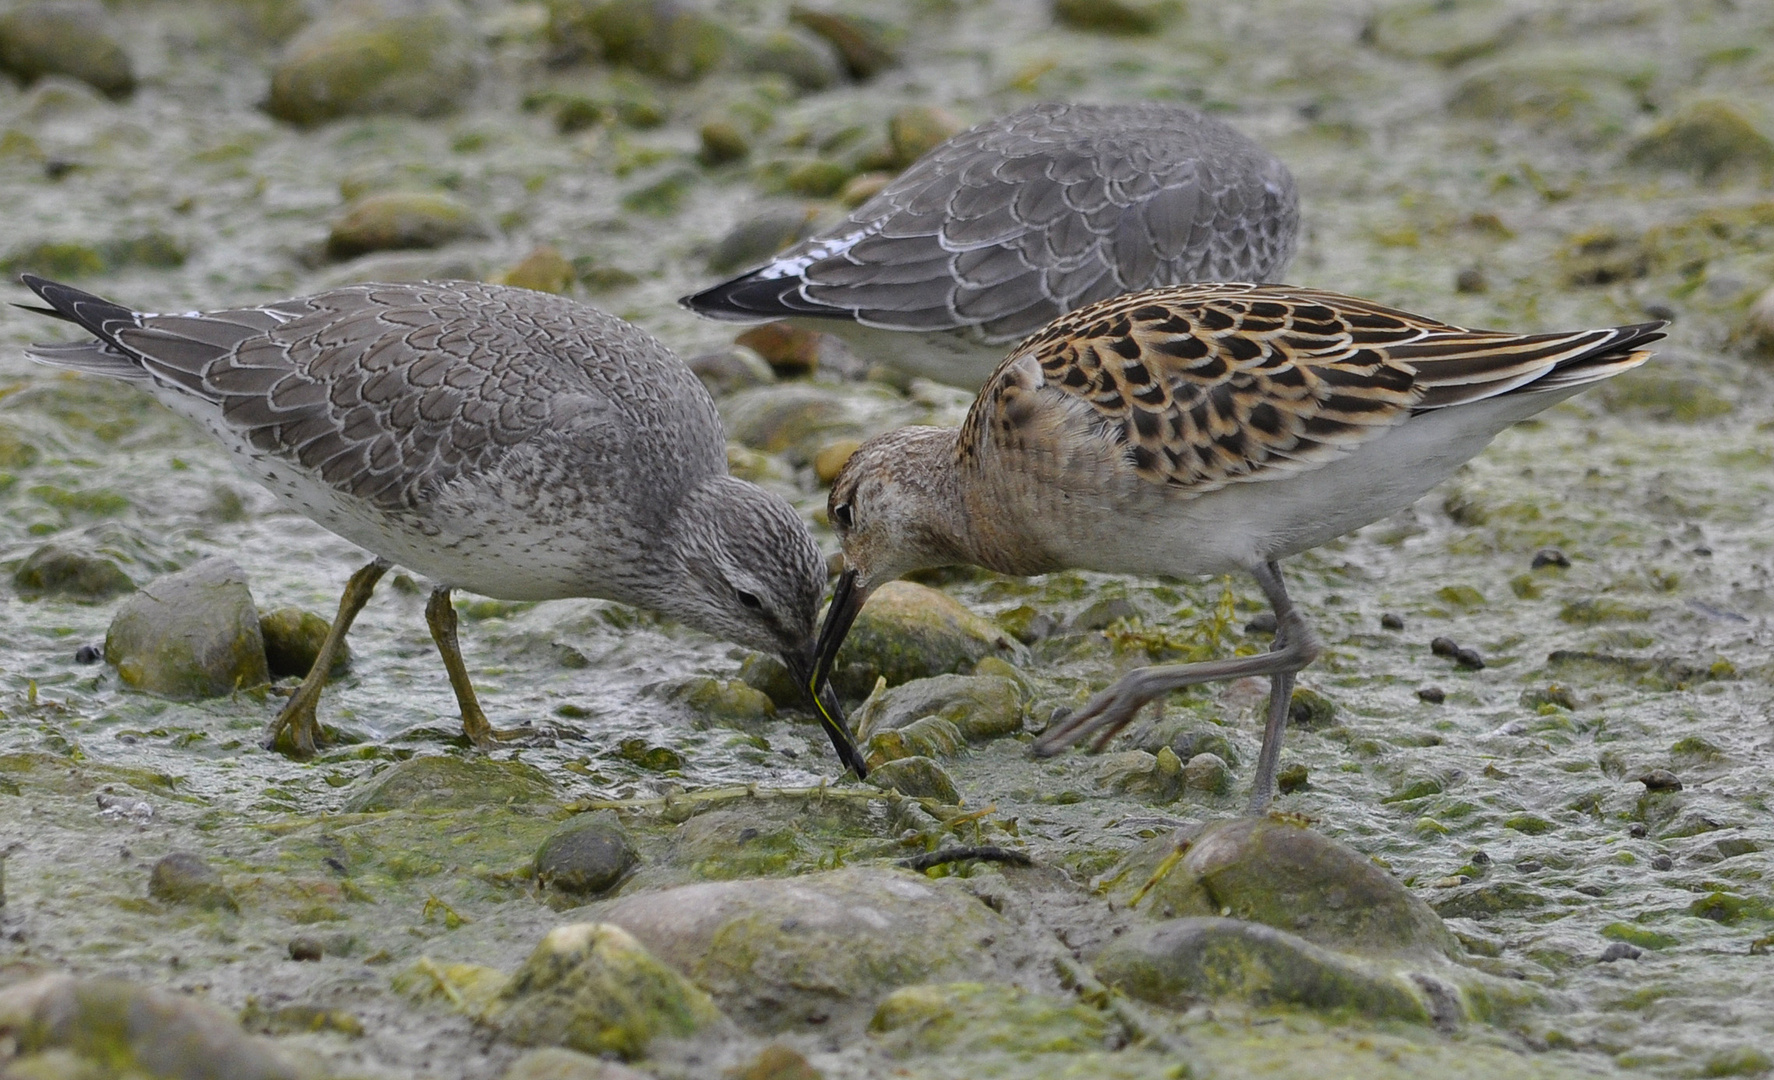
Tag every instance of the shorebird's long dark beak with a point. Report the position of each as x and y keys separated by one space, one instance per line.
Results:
x=825 y=704
x=847 y=601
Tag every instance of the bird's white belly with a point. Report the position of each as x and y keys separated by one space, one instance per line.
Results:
x=1244 y=525
x=955 y=357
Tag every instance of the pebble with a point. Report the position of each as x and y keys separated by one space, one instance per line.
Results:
x=190 y=635
x=731 y=369
x=1462 y=657
x=402 y=220
x=866 y=46
x=1390 y=621
x=1292 y=778
x=1662 y=862
x=184 y=878
x=54 y=570
x=917 y=777
x=790 y=350
x=1620 y=950
x=306 y=949
x=1659 y=780
x=74 y=38
x=451 y=783
x=1126 y=17
x=587 y=856
x=1207 y=773
x=420 y=58
x=1550 y=557
x=292 y=641
x=1434 y=695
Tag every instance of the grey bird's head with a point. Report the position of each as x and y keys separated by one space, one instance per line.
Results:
x=752 y=574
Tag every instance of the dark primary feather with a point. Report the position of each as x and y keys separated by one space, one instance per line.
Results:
x=1013 y=222
x=1208 y=385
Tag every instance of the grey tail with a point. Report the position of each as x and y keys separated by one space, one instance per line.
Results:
x=102 y=318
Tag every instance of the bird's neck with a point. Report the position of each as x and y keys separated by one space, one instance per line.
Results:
x=951 y=518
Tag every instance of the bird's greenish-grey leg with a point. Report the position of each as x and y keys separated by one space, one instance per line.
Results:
x=297 y=731
x=440 y=615
x=1112 y=709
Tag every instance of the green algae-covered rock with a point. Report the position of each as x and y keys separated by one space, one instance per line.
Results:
x=980 y=707
x=1152 y=778
x=971 y=1018
x=807 y=62
x=53 y=570
x=768 y=674
x=452 y=783
x=917 y=129
x=793 y=419
x=928 y=736
x=1114 y=16
x=95 y=1028
x=1208 y=774
x=76 y=38
x=1582 y=97
x=730 y=702
x=667 y=38
x=292 y=642
x=759 y=237
x=586 y=856
x=1708 y=138
x=544 y=269
x=918 y=777
x=1272 y=871
x=559 y=1063
x=908 y=631
x=593 y=988
x=866 y=46
x=1179 y=962
x=780 y=953
x=393 y=220
x=190 y=635
x=1447 y=31
x=772 y=837
x=184 y=878
x=419 y=57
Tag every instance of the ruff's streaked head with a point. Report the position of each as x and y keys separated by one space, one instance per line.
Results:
x=894 y=506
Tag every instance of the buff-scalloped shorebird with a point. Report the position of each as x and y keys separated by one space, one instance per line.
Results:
x=993 y=233
x=512 y=443
x=1200 y=429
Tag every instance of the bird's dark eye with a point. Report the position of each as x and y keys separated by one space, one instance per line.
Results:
x=841 y=515
x=750 y=600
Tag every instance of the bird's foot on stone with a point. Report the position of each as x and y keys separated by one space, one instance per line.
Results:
x=486 y=737
x=297 y=732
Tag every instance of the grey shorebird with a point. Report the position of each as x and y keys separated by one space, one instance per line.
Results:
x=512 y=443
x=1200 y=429
x=1014 y=222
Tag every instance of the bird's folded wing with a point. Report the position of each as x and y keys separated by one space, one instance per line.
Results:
x=1209 y=385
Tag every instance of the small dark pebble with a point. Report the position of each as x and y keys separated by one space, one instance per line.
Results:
x=56 y=168
x=1469 y=659
x=89 y=654
x=1479 y=858
x=305 y=948
x=1592 y=890
x=1530 y=866
x=1550 y=557
x=1471 y=280
x=1263 y=623
x=1661 y=862
x=1660 y=780
x=1620 y=950
x=1389 y=621
x=1638 y=830
x=1444 y=646
x=1434 y=695
x=1703 y=551
x=1293 y=778
x=585 y=857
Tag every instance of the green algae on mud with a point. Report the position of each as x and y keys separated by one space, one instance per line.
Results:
x=1429 y=140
